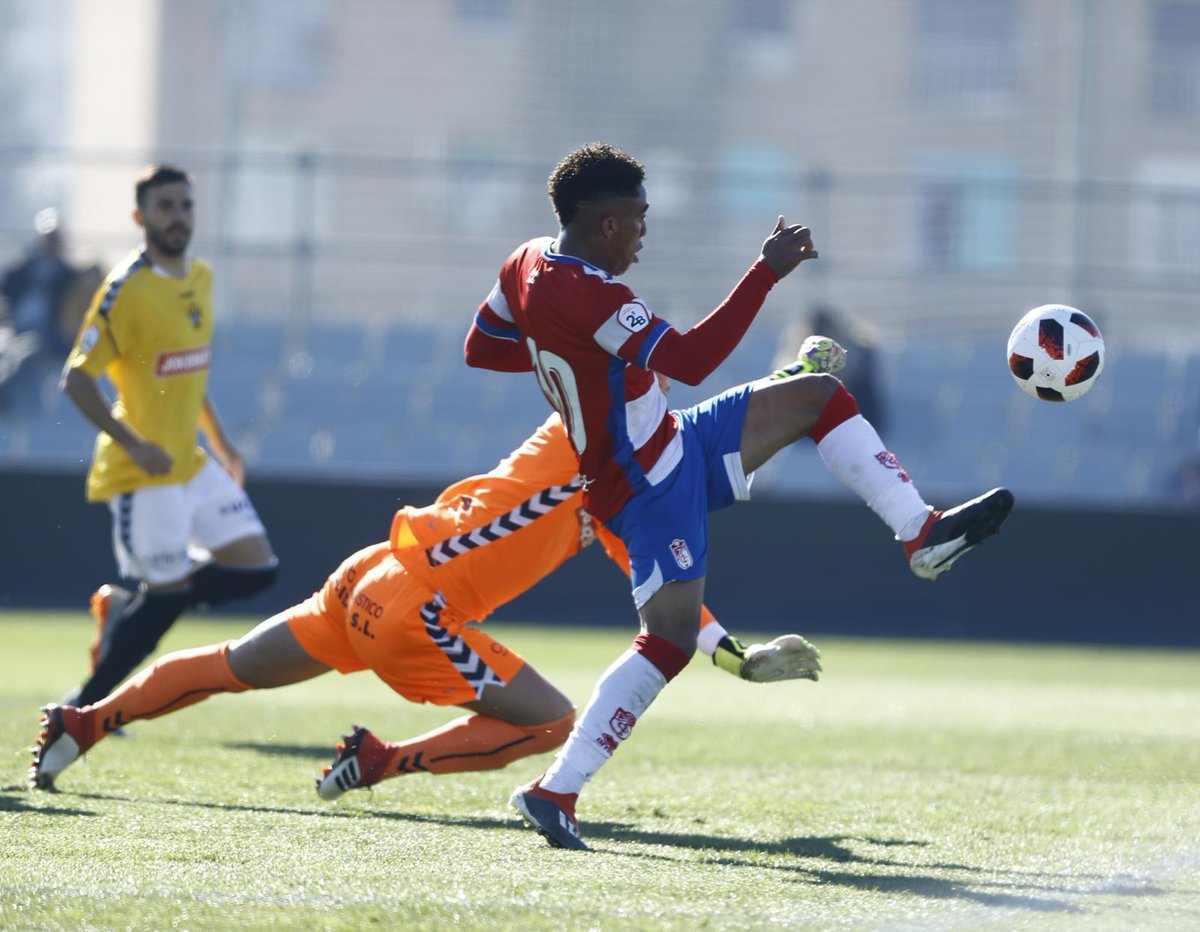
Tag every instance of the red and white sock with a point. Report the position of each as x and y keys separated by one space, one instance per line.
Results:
x=622 y=695
x=853 y=452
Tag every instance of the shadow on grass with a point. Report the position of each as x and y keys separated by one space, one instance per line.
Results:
x=1039 y=892
x=307 y=751
x=20 y=799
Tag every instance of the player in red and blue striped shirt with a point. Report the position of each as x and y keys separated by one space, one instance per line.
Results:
x=652 y=474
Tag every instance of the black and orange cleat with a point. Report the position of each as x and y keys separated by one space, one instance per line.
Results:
x=106 y=604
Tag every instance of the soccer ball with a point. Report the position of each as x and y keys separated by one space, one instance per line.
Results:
x=1056 y=352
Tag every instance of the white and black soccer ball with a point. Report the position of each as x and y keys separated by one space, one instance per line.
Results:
x=1056 y=353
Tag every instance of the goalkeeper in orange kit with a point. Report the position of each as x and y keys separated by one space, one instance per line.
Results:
x=403 y=608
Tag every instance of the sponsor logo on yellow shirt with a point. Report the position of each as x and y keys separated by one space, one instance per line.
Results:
x=183 y=362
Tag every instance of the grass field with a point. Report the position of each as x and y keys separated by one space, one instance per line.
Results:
x=917 y=786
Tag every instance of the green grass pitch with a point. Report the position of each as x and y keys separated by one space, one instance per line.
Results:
x=919 y=785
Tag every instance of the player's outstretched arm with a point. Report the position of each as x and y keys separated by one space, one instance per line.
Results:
x=222 y=446
x=692 y=356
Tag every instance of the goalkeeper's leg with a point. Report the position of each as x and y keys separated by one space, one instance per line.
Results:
x=269 y=656
x=528 y=715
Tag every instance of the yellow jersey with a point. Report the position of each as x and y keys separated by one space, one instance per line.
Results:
x=151 y=334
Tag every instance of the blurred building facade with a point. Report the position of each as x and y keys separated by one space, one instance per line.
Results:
x=369 y=164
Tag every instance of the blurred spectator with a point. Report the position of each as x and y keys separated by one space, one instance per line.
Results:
x=861 y=375
x=1185 y=483
x=75 y=303
x=33 y=340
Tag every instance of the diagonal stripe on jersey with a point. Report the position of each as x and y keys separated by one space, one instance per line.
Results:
x=470 y=666
x=459 y=654
x=521 y=516
x=431 y=611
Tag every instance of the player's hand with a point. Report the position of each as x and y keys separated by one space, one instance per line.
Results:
x=151 y=458
x=787 y=247
x=788 y=657
x=817 y=354
x=231 y=459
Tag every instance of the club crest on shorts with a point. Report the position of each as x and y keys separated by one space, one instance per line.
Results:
x=622 y=723
x=683 y=556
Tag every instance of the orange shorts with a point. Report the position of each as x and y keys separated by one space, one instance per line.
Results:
x=371 y=614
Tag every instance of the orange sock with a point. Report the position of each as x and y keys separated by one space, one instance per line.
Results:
x=175 y=681
x=474 y=742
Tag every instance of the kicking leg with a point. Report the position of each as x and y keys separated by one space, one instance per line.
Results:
x=819 y=407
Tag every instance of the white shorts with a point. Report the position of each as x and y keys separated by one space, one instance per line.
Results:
x=161 y=532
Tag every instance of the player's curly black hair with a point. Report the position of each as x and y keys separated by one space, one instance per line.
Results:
x=592 y=173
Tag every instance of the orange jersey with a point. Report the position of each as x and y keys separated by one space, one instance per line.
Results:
x=373 y=614
x=489 y=538
x=401 y=607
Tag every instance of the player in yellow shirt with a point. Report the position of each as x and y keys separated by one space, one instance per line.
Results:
x=404 y=609
x=182 y=525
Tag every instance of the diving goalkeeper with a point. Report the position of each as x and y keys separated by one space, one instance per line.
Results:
x=406 y=609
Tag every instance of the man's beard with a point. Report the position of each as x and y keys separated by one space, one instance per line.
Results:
x=158 y=239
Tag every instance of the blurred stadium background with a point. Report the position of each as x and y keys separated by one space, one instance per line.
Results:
x=364 y=166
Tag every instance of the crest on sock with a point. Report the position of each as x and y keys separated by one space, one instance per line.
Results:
x=888 y=460
x=622 y=723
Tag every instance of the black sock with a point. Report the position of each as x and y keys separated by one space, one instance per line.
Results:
x=133 y=636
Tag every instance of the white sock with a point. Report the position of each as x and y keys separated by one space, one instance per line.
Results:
x=709 y=637
x=853 y=452
x=623 y=693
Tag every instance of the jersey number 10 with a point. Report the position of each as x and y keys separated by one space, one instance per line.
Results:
x=558 y=385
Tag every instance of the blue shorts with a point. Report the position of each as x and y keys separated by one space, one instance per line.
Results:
x=665 y=528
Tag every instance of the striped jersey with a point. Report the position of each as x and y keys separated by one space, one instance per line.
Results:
x=489 y=538
x=590 y=338
x=151 y=334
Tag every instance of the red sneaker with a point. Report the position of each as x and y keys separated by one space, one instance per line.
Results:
x=66 y=734
x=361 y=762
